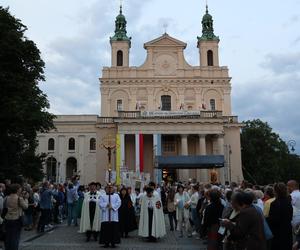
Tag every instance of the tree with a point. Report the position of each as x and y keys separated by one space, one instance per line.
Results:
x=23 y=106
x=265 y=156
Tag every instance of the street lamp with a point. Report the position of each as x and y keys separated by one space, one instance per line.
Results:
x=291 y=144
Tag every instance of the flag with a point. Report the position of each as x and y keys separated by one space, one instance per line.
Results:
x=118 y=159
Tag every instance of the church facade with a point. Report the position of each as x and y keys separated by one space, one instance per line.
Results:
x=165 y=118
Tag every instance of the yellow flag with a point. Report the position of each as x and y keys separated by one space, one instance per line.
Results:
x=118 y=160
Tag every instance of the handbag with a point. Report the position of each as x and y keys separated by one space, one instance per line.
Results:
x=21 y=217
x=297 y=230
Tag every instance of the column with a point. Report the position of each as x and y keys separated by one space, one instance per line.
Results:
x=203 y=173
x=157 y=152
x=184 y=173
x=221 y=152
x=81 y=158
x=61 y=158
x=42 y=148
x=137 y=153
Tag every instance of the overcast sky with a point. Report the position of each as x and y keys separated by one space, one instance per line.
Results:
x=260 y=43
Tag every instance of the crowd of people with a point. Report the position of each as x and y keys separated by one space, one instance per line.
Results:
x=225 y=217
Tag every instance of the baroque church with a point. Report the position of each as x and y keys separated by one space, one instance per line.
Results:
x=166 y=119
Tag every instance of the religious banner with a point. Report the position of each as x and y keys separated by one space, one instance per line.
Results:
x=170 y=113
x=113 y=176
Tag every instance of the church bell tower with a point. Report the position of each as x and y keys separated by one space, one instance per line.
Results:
x=208 y=43
x=120 y=43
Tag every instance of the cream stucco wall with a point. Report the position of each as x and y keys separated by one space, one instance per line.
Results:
x=82 y=129
x=166 y=72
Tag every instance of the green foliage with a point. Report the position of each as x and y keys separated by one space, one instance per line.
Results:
x=23 y=106
x=265 y=156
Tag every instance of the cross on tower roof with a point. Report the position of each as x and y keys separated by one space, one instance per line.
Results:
x=165 y=25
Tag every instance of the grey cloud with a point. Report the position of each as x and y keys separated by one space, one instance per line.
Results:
x=274 y=97
x=73 y=64
x=282 y=63
x=296 y=41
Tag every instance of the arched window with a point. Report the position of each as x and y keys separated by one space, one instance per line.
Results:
x=51 y=144
x=71 y=144
x=120 y=58
x=212 y=103
x=92 y=144
x=166 y=103
x=119 y=105
x=210 y=58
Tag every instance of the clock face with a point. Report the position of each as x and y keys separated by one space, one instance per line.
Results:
x=165 y=65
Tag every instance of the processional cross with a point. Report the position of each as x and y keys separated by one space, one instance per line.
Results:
x=109 y=143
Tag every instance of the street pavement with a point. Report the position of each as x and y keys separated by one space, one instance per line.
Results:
x=63 y=237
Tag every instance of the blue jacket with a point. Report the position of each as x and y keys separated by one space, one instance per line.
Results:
x=45 y=199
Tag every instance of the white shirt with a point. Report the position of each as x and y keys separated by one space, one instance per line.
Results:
x=158 y=190
x=194 y=200
x=180 y=200
x=115 y=203
x=296 y=206
x=133 y=197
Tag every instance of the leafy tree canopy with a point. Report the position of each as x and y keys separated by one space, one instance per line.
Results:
x=23 y=106
x=265 y=156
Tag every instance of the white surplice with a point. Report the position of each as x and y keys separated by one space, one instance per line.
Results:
x=115 y=203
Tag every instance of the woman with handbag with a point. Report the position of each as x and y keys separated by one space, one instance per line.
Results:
x=15 y=203
x=181 y=202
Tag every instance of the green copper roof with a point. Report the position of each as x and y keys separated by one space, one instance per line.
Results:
x=208 y=28
x=120 y=30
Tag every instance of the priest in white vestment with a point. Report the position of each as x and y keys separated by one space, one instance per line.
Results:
x=90 y=222
x=109 y=205
x=152 y=222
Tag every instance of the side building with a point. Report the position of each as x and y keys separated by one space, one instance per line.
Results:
x=167 y=118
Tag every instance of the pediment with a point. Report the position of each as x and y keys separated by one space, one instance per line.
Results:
x=165 y=41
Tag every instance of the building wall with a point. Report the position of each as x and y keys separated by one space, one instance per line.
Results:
x=82 y=129
x=165 y=72
x=102 y=157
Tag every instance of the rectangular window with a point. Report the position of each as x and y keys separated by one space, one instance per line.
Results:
x=166 y=103
x=119 y=105
x=212 y=104
x=169 y=144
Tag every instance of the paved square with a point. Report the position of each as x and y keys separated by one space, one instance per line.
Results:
x=63 y=237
